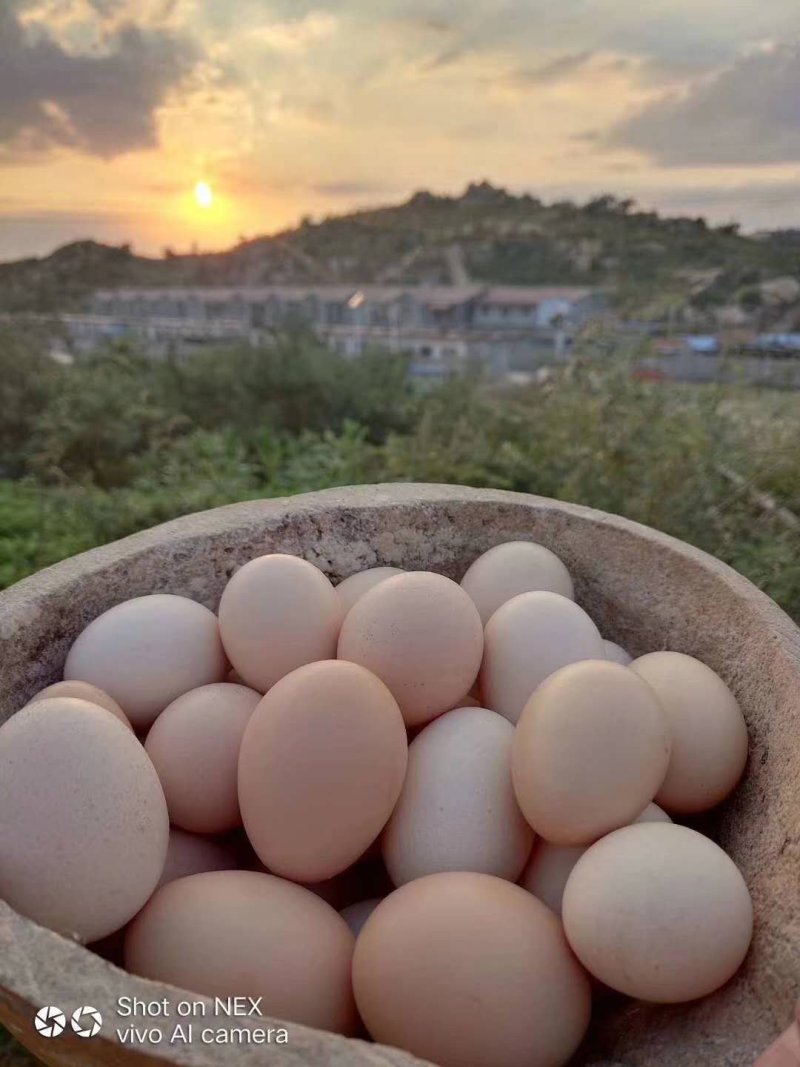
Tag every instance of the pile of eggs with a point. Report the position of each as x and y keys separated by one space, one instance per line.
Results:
x=439 y=813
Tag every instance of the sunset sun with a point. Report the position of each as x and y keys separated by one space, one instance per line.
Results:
x=204 y=195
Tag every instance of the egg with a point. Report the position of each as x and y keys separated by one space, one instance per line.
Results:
x=659 y=912
x=550 y=866
x=83 y=691
x=512 y=568
x=590 y=750
x=356 y=915
x=194 y=854
x=617 y=654
x=194 y=745
x=240 y=933
x=709 y=735
x=87 y=841
x=322 y=763
x=365 y=879
x=467 y=701
x=422 y=635
x=276 y=614
x=145 y=652
x=457 y=810
x=353 y=588
x=652 y=813
x=463 y=969
x=527 y=639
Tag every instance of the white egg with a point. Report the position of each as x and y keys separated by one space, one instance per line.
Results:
x=527 y=639
x=147 y=651
x=512 y=568
x=550 y=866
x=617 y=654
x=457 y=810
x=658 y=912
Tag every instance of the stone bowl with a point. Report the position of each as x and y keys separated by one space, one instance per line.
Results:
x=644 y=589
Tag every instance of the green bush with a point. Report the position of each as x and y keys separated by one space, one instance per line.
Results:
x=118 y=443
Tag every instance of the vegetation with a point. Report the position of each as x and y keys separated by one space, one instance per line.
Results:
x=118 y=442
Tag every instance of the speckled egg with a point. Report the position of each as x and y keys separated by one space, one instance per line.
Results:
x=88 y=838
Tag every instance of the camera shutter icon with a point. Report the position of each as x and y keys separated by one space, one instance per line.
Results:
x=86 y=1021
x=50 y=1021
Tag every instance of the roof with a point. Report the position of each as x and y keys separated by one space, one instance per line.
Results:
x=437 y=297
x=532 y=295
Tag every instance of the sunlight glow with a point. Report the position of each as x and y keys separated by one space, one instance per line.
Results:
x=204 y=195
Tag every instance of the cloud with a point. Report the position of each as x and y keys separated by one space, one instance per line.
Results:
x=745 y=114
x=100 y=102
x=555 y=70
x=297 y=35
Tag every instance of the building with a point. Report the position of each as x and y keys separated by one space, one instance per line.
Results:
x=439 y=326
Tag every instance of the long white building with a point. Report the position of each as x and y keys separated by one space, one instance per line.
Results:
x=437 y=325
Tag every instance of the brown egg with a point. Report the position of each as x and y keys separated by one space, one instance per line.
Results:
x=195 y=854
x=146 y=652
x=422 y=635
x=356 y=915
x=240 y=933
x=353 y=588
x=194 y=745
x=83 y=691
x=515 y=567
x=527 y=639
x=466 y=969
x=86 y=844
x=550 y=865
x=457 y=810
x=709 y=735
x=617 y=654
x=589 y=753
x=321 y=767
x=658 y=912
x=278 y=613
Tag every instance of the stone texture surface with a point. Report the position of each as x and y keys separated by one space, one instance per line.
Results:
x=645 y=590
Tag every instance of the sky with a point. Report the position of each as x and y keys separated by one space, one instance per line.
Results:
x=112 y=111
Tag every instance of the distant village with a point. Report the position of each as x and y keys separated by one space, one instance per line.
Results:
x=511 y=331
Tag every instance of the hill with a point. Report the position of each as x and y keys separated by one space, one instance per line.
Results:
x=651 y=263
